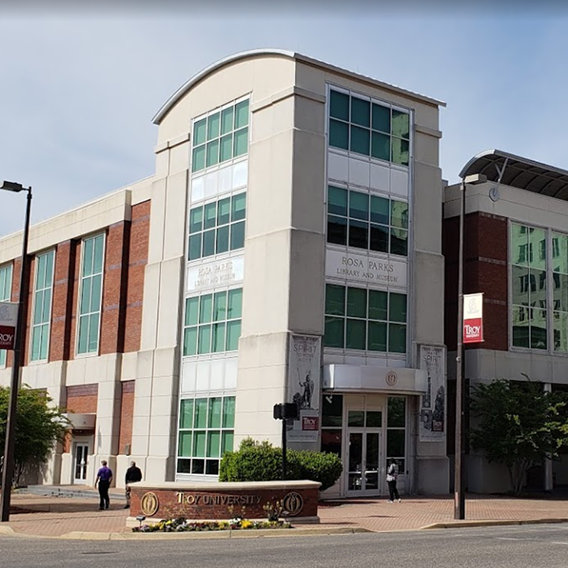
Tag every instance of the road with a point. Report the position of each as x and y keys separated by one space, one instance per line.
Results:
x=534 y=546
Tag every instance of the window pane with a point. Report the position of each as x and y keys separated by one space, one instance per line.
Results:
x=233 y=334
x=538 y=329
x=360 y=112
x=374 y=419
x=199 y=444
x=227 y=442
x=358 y=234
x=356 y=334
x=537 y=248
x=229 y=412
x=86 y=296
x=537 y=279
x=334 y=331
x=397 y=338
x=519 y=245
x=198 y=160
x=559 y=252
x=397 y=308
x=332 y=412
x=213 y=123
x=227 y=120
x=220 y=306
x=337 y=230
x=213 y=444
x=200 y=413
x=240 y=142
x=339 y=105
x=338 y=134
x=335 y=300
x=210 y=216
x=357 y=302
x=197 y=466
x=205 y=308
x=184 y=448
x=38 y=308
x=561 y=332
x=226 y=152
x=186 y=414
x=215 y=412
x=224 y=211
x=399 y=242
x=36 y=343
x=399 y=217
x=235 y=303
x=396 y=412
x=238 y=207
x=395 y=443
x=378 y=305
x=222 y=244
x=377 y=336
x=93 y=333
x=520 y=285
x=88 y=257
x=400 y=151
x=194 y=247
x=98 y=254
x=380 y=210
x=561 y=292
x=204 y=339
x=184 y=466
x=331 y=441
x=379 y=238
x=360 y=140
x=400 y=124
x=44 y=342
x=241 y=114
x=196 y=220
x=199 y=131
x=237 y=235
x=521 y=330
x=356 y=418
x=380 y=146
x=337 y=200
x=96 y=282
x=190 y=341
x=83 y=334
x=381 y=118
x=359 y=205
x=209 y=243
x=218 y=338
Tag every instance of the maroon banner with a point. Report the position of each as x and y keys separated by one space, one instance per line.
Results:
x=7 y=335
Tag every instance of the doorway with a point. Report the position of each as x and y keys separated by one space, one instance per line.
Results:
x=364 y=449
x=80 y=462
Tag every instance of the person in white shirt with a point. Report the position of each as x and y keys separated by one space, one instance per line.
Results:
x=392 y=475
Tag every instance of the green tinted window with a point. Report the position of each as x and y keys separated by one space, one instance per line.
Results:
x=360 y=112
x=339 y=105
x=381 y=118
x=213 y=123
x=337 y=200
x=338 y=134
x=357 y=302
x=199 y=132
x=335 y=300
x=241 y=114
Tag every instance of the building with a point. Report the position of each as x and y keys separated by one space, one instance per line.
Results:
x=516 y=253
x=288 y=248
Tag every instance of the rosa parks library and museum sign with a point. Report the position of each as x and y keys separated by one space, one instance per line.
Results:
x=365 y=269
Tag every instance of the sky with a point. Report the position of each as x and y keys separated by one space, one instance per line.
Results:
x=80 y=82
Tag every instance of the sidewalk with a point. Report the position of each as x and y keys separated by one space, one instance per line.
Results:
x=36 y=515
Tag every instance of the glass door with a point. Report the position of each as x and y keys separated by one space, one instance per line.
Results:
x=363 y=475
x=80 y=463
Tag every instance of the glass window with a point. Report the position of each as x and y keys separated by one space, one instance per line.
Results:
x=360 y=140
x=360 y=112
x=241 y=114
x=338 y=134
x=339 y=105
x=5 y=296
x=357 y=302
x=335 y=300
x=42 y=305
x=337 y=201
x=400 y=124
x=359 y=205
x=240 y=142
x=356 y=336
x=213 y=124
x=332 y=411
x=227 y=120
x=381 y=118
x=199 y=131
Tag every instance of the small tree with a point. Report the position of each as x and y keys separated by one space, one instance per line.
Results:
x=520 y=425
x=39 y=426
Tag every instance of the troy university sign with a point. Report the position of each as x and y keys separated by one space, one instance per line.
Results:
x=8 y=319
x=473 y=318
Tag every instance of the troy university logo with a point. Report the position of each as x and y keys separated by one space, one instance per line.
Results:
x=149 y=504
x=293 y=503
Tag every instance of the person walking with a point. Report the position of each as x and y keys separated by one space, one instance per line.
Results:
x=392 y=475
x=133 y=474
x=104 y=479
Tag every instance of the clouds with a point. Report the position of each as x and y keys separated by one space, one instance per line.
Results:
x=79 y=88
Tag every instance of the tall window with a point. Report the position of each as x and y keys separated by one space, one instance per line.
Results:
x=332 y=423
x=91 y=294
x=364 y=126
x=42 y=306
x=217 y=227
x=5 y=296
x=220 y=136
x=372 y=320
x=396 y=431
x=529 y=290
x=212 y=322
x=560 y=291
x=365 y=221
x=206 y=432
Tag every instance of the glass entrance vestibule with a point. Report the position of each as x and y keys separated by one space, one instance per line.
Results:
x=366 y=431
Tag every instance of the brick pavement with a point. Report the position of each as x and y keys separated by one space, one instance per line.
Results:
x=57 y=516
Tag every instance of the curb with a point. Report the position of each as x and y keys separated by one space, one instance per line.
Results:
x=466 y=524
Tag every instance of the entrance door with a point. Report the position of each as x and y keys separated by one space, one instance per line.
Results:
x=80 y=463
x=363 y=476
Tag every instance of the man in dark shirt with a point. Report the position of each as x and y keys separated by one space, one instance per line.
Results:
x=133 y=474
x=104 y=479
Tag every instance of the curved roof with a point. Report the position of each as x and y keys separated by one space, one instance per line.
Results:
x=283 y=53
x=516 y=171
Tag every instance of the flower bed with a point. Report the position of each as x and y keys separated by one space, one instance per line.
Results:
x=182 y=525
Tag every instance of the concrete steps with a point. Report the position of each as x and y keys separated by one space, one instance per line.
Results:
x=70 y=491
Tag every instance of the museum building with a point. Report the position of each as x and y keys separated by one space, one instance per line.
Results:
x=288 y=248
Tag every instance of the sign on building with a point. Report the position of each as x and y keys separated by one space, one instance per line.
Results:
x=304 y=364
x=473 y=318
x=8 y=321
x=433 y=403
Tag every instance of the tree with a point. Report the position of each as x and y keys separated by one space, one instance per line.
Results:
x=520 y=425
x=39 y=426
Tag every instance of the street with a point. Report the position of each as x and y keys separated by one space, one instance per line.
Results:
x=496 y=547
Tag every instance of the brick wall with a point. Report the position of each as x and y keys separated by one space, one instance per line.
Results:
x=485 y=270
x=82 y=399
x=126 y=415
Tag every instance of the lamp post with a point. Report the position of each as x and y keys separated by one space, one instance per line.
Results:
x=9 y=447
x=459 y=493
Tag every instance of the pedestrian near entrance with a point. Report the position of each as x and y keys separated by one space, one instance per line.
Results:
x=104 y=479
x=133 y=474
x=392 y=475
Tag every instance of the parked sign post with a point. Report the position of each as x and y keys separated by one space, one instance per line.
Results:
x=473 y=318
x=8 y=321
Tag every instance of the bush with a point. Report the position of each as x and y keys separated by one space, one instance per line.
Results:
x=260 y=461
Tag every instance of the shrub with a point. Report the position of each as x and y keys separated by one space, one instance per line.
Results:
x=319 y=466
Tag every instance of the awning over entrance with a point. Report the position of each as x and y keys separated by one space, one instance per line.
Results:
x=81 y=421
x=377 y=379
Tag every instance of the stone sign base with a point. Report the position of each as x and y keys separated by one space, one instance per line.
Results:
x=224 y=501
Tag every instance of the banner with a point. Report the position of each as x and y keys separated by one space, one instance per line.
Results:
x=433 y=403
x=8 y=321
x=304 y=370
x=473 y=318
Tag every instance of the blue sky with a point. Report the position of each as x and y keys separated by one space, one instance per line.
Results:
x=78 y=89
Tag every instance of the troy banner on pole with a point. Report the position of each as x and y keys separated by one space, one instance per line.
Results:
x=473 y=318
x=8 y=321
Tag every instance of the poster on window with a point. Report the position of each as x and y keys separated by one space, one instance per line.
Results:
x=304 y=364
x=433 y=403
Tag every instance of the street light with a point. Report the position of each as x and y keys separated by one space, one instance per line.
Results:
x=9 y=447
x=459 y=494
